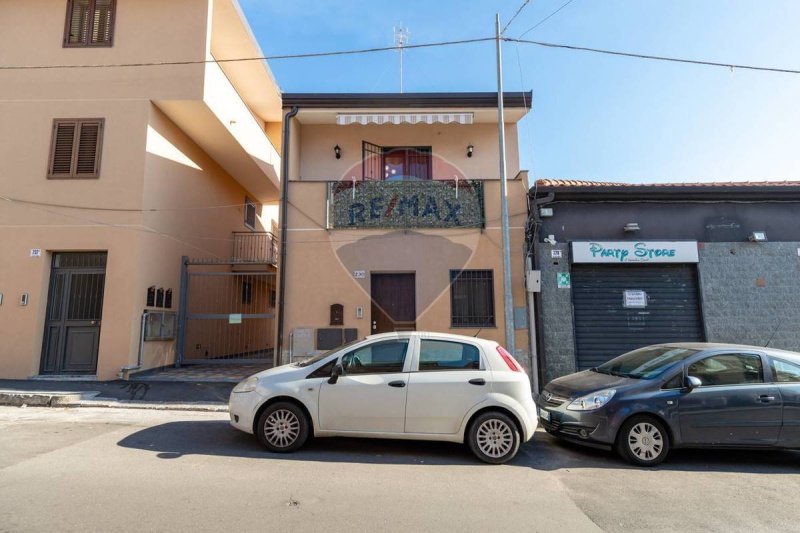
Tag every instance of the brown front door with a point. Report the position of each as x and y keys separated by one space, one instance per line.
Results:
x=394 y=303
x=74 y=311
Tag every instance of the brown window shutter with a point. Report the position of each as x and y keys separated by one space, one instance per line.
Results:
x=77 y=21
x=88 y=153
x=102 y=23
x=63 y=142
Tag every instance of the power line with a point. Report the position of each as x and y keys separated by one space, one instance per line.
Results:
x=519 y=10
x=118 y=209
x=565 y=4
x=242 y=59
x=656 y=58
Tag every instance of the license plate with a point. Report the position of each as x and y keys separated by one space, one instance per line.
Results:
x=544 y=414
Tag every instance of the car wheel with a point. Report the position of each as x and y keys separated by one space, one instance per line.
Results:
x=643 y=441
x=494 y=438
x=283 y=427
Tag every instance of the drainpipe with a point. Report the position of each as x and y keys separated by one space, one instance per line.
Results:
x=126 y=370
x=284 y=216
x=532 y=263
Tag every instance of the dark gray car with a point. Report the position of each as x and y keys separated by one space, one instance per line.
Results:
x=647 y=401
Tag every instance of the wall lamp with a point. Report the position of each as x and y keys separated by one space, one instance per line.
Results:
x=631 y=226
x=337 y=151
x=758 y=236
x=470 y=149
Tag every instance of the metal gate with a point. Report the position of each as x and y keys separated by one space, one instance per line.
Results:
x=667 y=309
x=225 y=316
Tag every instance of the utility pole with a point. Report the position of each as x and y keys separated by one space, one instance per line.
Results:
x=508 y=301
x=401 y=37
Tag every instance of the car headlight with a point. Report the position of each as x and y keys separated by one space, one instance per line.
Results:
x=592 y=401
x=247 y=385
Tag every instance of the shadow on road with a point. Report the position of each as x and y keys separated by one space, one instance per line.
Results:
x=215 y=437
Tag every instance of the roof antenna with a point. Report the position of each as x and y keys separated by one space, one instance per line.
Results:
x=401 y=37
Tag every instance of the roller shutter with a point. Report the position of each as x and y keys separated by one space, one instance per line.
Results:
x=605 y=328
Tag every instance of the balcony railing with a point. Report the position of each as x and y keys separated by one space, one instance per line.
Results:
x=255 y=247
x=405 y=204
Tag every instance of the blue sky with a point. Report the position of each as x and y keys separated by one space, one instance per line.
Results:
x=594 y=117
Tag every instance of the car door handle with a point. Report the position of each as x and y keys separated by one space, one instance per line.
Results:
x=766 y=399
x=398 y=383
x=477 y=381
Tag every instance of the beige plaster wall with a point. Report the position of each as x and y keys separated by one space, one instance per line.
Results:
x=448 y=141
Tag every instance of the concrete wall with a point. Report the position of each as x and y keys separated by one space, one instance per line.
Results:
x=749 y=293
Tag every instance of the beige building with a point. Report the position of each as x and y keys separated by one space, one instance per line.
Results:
x=110 y=175
x=393 y=217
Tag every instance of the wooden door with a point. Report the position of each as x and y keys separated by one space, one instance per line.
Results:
x=394 y=303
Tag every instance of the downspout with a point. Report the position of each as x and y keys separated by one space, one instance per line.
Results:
x=284 y=216
x=535 y=339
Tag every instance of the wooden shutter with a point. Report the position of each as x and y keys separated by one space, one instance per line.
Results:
x=76 y=147
x=87 y=157
x=63 y=146
x=89 y=23
x=77 y=22
x=102 y=22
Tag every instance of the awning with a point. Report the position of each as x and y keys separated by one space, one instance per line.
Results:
x=344 y=119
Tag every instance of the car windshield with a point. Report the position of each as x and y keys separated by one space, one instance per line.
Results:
x=645 y=363
x=320 y=357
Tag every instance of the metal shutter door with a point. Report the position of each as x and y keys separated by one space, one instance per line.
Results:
x=604 y=328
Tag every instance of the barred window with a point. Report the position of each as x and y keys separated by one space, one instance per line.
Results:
x=472 y=298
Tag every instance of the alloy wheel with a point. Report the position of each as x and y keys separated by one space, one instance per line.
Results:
x=282 y=428
x=495 y=438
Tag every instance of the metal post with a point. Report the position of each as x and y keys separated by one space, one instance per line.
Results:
x=531 y=302
x=182 y=312
x=508 y=301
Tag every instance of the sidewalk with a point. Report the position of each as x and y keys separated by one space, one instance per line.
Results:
x=190 y=396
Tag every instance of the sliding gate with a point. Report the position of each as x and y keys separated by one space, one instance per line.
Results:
x=225 y=316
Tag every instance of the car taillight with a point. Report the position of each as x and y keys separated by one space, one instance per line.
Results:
x=509 y=359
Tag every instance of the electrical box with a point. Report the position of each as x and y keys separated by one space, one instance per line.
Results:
x=533 y=281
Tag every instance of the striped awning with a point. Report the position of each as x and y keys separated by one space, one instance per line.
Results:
x=344 y=119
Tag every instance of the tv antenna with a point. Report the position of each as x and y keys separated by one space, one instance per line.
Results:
x=401 y=37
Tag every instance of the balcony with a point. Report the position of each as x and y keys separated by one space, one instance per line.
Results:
x=372 y=204
x=254 y=249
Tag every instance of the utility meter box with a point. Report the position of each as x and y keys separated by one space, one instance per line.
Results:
x=533 y=281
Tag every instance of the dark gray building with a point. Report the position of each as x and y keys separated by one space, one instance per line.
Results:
x=623 y=266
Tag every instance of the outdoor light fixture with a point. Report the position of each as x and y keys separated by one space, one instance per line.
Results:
x=470 y=149
x=631 y=226
x=337 y=152
x=758 y=236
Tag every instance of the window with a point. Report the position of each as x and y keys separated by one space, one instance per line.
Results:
x=728 y=369
x=785 y=372
x=247 y=292
x=446 y=355
x=322 y=372
x=378 y=358
x=89 y=23
x=250 y=210
x=675 y=382
x=396 y=163
x=472 y=298
x=75 y=148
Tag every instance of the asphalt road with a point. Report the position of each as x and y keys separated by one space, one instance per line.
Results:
x=135 y=470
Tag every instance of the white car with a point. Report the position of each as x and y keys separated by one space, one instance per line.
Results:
x=409 y=385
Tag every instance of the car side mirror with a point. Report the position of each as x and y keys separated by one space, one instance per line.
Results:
x=692 y=383
x=336 y=371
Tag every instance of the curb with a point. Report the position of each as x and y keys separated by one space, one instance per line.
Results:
x=91 y=399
